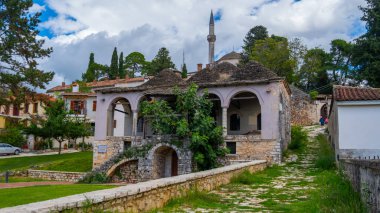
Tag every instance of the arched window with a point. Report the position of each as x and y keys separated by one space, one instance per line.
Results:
x=234 y=122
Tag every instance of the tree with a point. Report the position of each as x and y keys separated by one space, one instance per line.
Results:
x=256 y=33
x=184 y=71
x=313 y=73
x=366 y=53
x=90 y=74
x=161 y=61
x=134 y=63
x=189 y=120
x=274 y=54
x=121 y=66
x=297 y=53
x=20 y=51
x=341 y=58
x=58 y=124
x=114 y=67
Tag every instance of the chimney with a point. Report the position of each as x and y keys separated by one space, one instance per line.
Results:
x=199 y=67
x=63 y=84
x=75 y=87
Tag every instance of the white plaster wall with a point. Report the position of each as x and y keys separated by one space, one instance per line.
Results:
x=359 y=127
x=91 y=115
x=249 y=109
x=123 y=122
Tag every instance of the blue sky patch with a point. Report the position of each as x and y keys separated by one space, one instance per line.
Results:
x=47 y=14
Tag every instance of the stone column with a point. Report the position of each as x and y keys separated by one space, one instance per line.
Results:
x=224 y=120
x=134 y=122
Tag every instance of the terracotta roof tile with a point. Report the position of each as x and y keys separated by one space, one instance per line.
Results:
x=97 y=84
x=346 y=93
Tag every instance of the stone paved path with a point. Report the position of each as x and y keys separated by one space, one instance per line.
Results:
x=25 y=184
x=292 y=185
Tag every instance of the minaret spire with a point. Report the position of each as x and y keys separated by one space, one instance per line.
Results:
x=211 y=39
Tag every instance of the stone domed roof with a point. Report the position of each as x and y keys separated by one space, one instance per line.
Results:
x=230 y=56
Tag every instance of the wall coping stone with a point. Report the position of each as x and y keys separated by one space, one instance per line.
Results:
x=372 y=164
x=51 y=171
x=99 y=196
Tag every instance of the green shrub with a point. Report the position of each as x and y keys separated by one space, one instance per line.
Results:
x=13 y=136
x=326 y=156
x=299 y=138
x=313 y=94
x=95 y=177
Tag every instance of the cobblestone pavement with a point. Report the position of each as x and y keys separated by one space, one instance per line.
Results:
x=291 y=185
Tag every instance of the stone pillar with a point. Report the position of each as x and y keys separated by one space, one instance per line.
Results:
x=224 y=120
x=134 y=122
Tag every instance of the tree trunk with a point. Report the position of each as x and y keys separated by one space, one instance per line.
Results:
x=60 y=145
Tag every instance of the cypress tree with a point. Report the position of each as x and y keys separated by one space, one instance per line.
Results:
x=89 y=75
x=121 y=66
x=114 y=68
x=184 y=71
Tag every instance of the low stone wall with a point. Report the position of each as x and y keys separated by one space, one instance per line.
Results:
x=365 y=178
x=56 y=175
x=143 y=196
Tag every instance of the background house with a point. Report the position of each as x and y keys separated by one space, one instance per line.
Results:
x=354 y=122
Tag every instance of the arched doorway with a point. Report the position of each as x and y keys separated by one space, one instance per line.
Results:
x=216 y=111
x=324 y=112
x=244 y=114
x=165 y=162
x=119 y=118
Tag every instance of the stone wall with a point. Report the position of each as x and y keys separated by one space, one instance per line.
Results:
x=143 y=196
x=365 y=178
x=248 y=148
x=126 y=172
x=56 y=175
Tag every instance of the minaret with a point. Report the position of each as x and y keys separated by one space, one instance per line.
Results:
x=211 y=40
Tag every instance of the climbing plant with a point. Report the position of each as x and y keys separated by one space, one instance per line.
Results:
x=190 y=119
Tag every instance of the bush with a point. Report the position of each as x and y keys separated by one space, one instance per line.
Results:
x=313 y=94
x=326 y=156
x=13 y=136
x=85 y=146
x=95 y=177
x=299 y=138
x=43 y=144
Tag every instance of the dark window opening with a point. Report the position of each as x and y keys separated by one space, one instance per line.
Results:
x=234 y=122
x=140 y=124
x=35 y=107
x=26 y=108
x=94 y=106
x=114 y=123
x=231 y=146
x=259 y=121
x=127 y=145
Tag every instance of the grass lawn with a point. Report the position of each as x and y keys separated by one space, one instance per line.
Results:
x=16 y=179
x=72 y=162
x=24 y=195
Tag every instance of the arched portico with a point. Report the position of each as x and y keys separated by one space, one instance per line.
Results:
x=119 y=118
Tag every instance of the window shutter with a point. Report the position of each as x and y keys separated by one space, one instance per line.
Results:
x=94 y=106
x=72 y=105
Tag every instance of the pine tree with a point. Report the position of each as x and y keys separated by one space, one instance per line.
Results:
x=20 y=52
x=90 y=75
x=160 y=62
x=184 y=71
x=121 y=66
x=254 y=34
x=366 y=53
x=114 y=68
x=135 y=63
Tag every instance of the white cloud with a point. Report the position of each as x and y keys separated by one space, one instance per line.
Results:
x=97 y=26
x=36 y=8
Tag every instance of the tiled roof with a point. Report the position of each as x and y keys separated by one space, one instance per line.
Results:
x=227 y=73
x=97 y=84
x=231 y=55
x=346 y=93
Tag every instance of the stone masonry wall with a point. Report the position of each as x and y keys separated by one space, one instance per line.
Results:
x=365 y=178
x=126 y=172
x=56 y=175
x=142 y=197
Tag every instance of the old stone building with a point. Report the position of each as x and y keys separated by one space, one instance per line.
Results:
x=251 y=103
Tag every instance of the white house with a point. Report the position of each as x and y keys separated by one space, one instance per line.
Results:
x=354 y=122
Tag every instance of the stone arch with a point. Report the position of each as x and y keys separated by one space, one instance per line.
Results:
x=237 y=91
x=121 y=107
x=165 y=162
x=324 y=111
x=111 y=171
x=243 y=108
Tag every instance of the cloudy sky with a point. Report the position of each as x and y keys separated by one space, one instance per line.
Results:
x=74 y=28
